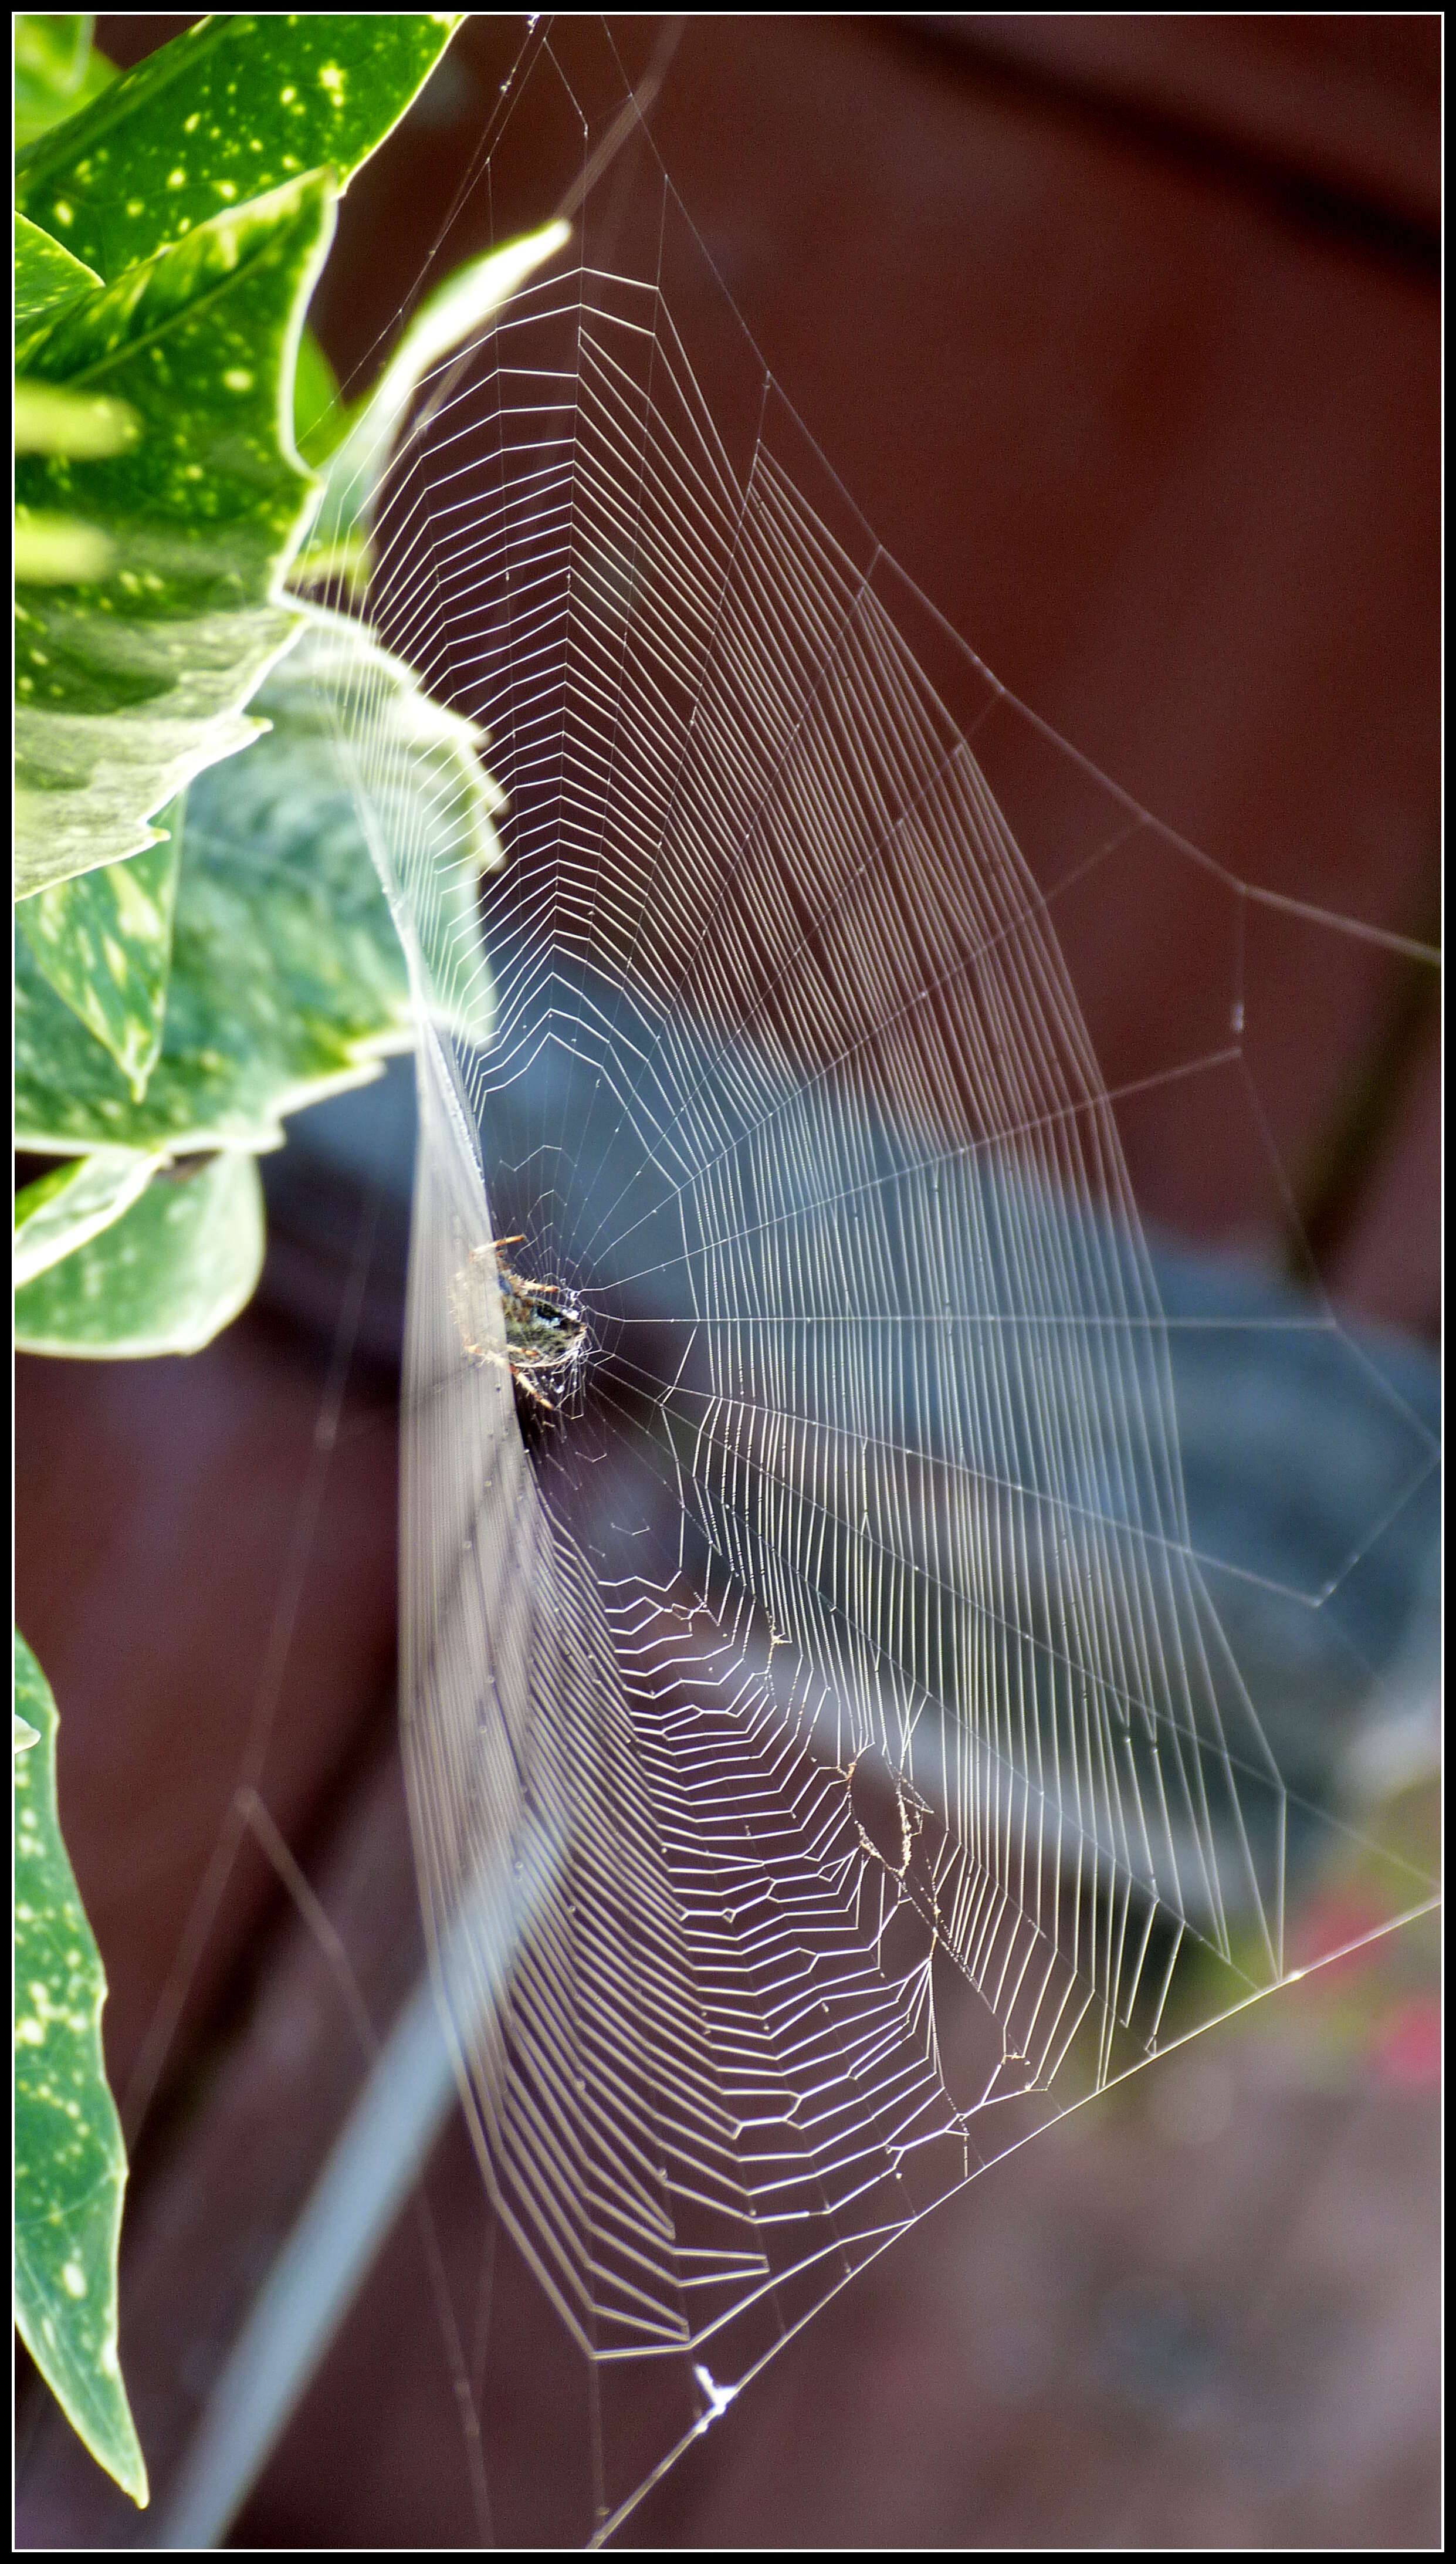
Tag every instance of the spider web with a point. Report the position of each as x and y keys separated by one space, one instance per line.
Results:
x=830 y=1755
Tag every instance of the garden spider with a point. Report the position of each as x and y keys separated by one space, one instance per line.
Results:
x=546 y=1332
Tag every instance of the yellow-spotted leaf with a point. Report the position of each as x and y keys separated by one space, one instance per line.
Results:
x=103 y=941
x=46 y=275
x=127 y=687
x=235 y=108
x=52 y=549
x=69 y=2161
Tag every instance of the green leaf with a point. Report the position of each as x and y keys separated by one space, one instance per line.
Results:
x=232 y=109
x=56 y=72
x=67 y=1209
x=45 y=274
x=337 y=545
x=287 y=980
x=104 y=942
x=164 y=1278
x=69 y=2162
x=127 y=689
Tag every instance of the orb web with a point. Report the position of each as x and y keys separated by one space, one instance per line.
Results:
x=828 y=1755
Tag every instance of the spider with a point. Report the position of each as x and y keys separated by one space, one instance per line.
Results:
x=546 y=1332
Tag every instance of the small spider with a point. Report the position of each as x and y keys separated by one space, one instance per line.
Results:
x=546 y=1332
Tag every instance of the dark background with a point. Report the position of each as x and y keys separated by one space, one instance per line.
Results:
x=1124 y=334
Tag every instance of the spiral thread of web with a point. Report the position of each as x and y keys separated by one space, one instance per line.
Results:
x=846 y=1637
